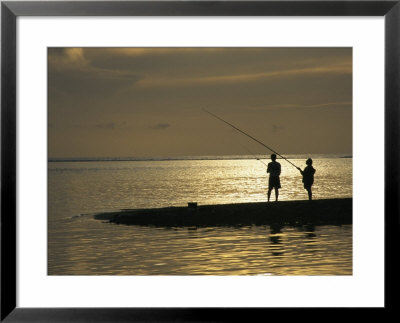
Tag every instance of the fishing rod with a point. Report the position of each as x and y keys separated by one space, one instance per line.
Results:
x=246 y=134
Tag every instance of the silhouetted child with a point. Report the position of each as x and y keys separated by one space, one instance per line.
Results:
x=274 y=170
x=308 y=177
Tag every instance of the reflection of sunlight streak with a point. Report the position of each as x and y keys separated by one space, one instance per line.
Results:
x=93 y=247
x=247 y=180
x=213 y=251
x=167 y=183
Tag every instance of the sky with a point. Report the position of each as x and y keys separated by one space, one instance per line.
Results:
x=147 y=102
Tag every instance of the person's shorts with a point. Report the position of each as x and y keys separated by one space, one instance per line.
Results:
x=274 y=182
x=307 y=185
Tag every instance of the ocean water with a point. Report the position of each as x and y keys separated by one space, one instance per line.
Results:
x=80 y=245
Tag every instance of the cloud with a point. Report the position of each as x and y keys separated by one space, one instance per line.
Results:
x=155 y=51
x=115 y=72
x=67 y=57
x=277 y=128
x=342 y=69
x=300 y=106
x=71 y=72
x=160 y=126
x=159 y=93
x=108 y=125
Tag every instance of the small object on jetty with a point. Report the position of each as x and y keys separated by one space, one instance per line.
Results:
x=192 y=205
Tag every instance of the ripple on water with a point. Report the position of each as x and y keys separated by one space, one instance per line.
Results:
x=82 y=246
x=206 y=251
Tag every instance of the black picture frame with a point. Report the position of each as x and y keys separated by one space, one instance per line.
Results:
x=11 y=10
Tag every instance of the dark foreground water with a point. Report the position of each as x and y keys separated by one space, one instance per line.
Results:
x=80 y=245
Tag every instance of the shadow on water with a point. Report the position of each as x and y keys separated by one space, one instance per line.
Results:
x=278 y=237
x=309 y=230
x=279 y=249
x=275 y=237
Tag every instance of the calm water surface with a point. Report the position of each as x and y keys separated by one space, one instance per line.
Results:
x=80 y=245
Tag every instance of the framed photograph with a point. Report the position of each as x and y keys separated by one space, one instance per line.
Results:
x=198 y=160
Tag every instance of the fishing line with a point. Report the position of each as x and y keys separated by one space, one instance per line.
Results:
x=246 y=134
x=259 y=159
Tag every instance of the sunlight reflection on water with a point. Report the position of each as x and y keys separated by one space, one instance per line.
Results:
x=79 y=245
x=131 y=250
x=96 y=186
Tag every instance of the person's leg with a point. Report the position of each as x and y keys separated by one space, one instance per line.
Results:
x=269 y=193
x=309 y=193
x=276 y=194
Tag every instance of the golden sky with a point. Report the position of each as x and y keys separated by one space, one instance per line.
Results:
x=141 y=102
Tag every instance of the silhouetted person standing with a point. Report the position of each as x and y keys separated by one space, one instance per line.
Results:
x=308 y=177
x=274 y=170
